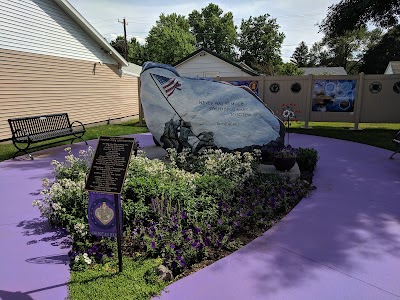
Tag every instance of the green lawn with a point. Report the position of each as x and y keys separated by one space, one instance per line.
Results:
x=138 y=281
x=375 y=134
x=7 y=149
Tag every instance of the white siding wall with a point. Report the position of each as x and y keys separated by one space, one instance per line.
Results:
x=206 y=65
x=42 y=27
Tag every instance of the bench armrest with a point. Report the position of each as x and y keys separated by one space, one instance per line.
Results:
x=80 y=123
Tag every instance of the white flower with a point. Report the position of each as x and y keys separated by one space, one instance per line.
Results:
x=88 y=260
x=36 y=203
x=77 y=258
x=56 y=206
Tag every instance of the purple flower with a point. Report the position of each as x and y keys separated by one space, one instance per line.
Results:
x=183 y=215
x=196 y=230
x=182 y=262
x=174 y=265
x=153 y=245
x=172 y=246
x=220 y=222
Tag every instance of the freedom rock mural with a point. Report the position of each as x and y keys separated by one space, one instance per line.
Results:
x=195 y=113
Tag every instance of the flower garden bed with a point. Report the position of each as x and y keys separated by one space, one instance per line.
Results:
x=187 y=210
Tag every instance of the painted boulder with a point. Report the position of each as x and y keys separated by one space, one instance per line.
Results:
x=196 y=113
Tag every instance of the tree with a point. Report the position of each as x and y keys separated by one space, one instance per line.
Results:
x=343 y=51
x=290 y=69
x=377 y=57
x=318 y=56
x=260 y=43
x=350 y=46
x=214 y=30
x=118 y=44
x=169 y=40
x=350 y=14
x=135 y=50
x=300 y=56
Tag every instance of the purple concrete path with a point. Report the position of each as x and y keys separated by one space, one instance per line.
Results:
x=343 y=242
x=33 y=257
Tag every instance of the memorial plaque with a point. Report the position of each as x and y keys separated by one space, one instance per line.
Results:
x=102 y=214
x=111 y=159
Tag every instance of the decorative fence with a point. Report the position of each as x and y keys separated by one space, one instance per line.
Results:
x=350 y=98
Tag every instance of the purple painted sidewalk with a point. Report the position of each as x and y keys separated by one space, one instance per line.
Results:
x=343 y=242
x=33 y=257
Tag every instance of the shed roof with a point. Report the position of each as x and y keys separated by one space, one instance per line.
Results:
x=324 y=71
x=193 y=54
x=91 y=31
x=395 y=65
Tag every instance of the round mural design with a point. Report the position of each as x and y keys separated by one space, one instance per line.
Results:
x=396 y=87
x=274 y=87
x=296 y=87
x=375 y=87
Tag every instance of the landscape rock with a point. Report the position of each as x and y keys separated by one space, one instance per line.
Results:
x=164 y=273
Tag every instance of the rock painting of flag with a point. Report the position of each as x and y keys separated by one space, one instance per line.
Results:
x=168 y=84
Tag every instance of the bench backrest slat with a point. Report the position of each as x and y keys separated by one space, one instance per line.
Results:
x=38 y=124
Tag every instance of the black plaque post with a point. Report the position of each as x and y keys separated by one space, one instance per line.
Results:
x=107 y=175
x=119 y=231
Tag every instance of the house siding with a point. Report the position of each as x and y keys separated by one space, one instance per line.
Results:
x=42 y=27
x=206 y=65
x=33 y=84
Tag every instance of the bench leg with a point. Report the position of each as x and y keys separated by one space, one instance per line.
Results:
x=78 y=137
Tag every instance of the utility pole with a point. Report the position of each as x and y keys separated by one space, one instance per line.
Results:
x=125 y=41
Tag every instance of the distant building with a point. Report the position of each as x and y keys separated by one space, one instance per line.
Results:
x=324 y=71
x=54 y=61
x=393 y=67
x=205 y=63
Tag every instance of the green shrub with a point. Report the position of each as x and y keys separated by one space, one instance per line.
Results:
x=307 y=159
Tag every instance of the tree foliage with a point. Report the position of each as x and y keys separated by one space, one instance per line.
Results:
x=289 y=69
x=214 y=30
x=351 y=46
x=136 y=53
x=260 y=43
x=350 y=14
x=300 y=55
x=169 y=40
x=342 y=51
x=387 y=49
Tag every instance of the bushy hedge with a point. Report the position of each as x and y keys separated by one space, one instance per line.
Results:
x=184 y=210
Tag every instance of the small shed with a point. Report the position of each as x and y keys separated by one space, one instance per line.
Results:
x=206 y=63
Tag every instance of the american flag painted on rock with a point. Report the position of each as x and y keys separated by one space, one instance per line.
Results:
x=168 y=84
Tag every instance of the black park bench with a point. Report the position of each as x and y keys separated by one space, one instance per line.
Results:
x=30 y=130
x=396 y=141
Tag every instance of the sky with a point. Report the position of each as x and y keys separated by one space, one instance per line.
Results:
x=297 y=18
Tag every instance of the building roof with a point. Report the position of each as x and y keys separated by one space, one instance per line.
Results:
x=324 y=71
x=237 y=65
x=395 y=65
x=91 y=31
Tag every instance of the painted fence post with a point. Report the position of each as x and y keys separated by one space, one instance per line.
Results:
x=307 y=113
x=358 y=104
x=141 y=114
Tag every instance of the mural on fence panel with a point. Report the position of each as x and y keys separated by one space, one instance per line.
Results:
x=334 y=95
x=252 y=84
